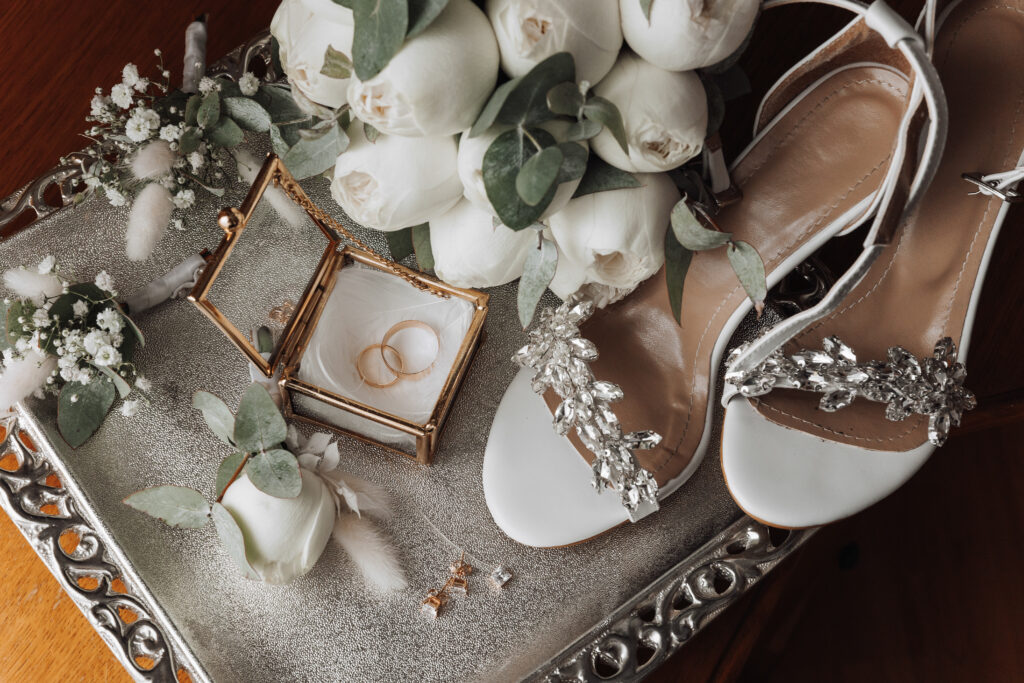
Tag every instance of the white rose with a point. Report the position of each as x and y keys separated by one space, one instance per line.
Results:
x=471 y=162
x=469 y=251
x=305 y=29
x=529 y=31
x=396 y=182
x=438 y=81
x=614 y=238
x=284 y=537
x=687 y=34
x=665 y=115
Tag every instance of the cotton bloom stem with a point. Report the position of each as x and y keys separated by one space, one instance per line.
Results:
x=195 y=55
x=234 y=476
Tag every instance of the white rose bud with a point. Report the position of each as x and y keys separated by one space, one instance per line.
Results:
x=529 y=31
x=614 y=238
x=687 y=34
x=284 y=537
x=665 y=115
x=471 y=162
x=396 y=182
x=438 y=81
x=469 y=251
x=305 y=29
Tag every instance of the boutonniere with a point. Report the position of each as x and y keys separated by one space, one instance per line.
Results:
x=73 y=341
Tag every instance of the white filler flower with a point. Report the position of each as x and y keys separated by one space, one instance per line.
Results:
x=665 y=115
x=471 y=161
x=284 y=537
x=396 y=182
x=469 y=251
x=438 y=82
x=305 y=29
x=529 y=31
x=687 y=34
x=614 y=238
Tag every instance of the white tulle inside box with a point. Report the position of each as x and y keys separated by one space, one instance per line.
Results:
x=364 y=346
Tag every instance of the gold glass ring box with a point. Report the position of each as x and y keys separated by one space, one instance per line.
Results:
x=352 y=300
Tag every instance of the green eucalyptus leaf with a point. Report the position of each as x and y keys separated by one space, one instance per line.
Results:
x=400 y=243
x=602 y=176
x=677 y=263
x=218 y=416
x=583 y=130
x=81 y=409
x=421 y=245
x=526 y=104
x=192 y=109
x=370 y=132
x=345 y=3
x=277 y=141
x=493 y=107
x=234 y=542
x=691 y=233
x=336 y=64
x=123 y=388
x=749 y=268
x=175 y=506
x=189 y=140
x=226 y=471
x=275 y=473
x=645 y=7
x=247 y=113
x=209 y=110
x=380 y=27
x=574 y=162
x=258 y=425
x=227 y=134
x=607 y=114
x=280 y=104
x=20 y=309
x=422 y=13
x=538 y=174
x=502 y=161
x=565 y=99
x=307 y=158
x=538 y=271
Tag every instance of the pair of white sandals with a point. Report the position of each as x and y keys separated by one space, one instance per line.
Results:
x=833 y=408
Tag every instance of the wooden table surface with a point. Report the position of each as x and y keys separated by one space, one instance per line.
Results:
x=924 y=586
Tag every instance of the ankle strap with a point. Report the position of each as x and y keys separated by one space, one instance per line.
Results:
x=905 y=183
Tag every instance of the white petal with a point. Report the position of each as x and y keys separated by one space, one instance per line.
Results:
x=304 y=29
x=470 y=252
x=318 y=442
x=331 y=457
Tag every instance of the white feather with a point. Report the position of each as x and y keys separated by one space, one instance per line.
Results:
x=153 y=160
x=23 y=377
x=248 y=168
x=29 y=284
x=151 y=211
x=373 y=500
x=374 y=556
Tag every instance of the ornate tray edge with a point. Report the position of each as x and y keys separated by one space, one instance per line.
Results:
x=626 y=646
x=645 y=631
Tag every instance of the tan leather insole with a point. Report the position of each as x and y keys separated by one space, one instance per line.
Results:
x=821 y=159
x=919 y=289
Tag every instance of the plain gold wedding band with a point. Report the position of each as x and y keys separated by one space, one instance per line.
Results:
x=382 y=347
x=404 y=325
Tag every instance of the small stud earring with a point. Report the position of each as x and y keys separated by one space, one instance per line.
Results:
x=434 y=602
x=499 y=576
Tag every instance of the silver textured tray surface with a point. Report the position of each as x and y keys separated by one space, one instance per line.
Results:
x=567 y=612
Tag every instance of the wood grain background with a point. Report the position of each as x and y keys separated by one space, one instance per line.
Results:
x=925 y=586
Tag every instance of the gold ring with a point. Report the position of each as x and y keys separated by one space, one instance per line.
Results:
x=373 y=347
x=406 y=324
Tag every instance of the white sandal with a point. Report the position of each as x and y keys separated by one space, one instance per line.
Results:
x=794 y=461
x=537 y=485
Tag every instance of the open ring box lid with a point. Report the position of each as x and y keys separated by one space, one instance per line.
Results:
x=307 y=401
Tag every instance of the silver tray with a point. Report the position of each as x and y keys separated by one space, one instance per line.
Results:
x=610 y=609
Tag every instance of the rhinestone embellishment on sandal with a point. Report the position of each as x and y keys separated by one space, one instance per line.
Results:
x=930 y=386
x=561 y=357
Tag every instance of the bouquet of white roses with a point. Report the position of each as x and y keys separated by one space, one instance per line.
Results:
x=524 y=133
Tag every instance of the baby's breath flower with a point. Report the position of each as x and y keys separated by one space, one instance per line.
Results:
x=207 y=85
x=107 y=356
x=80 y=308
x=184 y=199
x=196 y=160
x=130 y=408
x=142 y=84
x=170 y=133
x=98 y=105
x=109 y=319
x=46 y=265
x=143 y=383
x=114 y=196
x=105 y=282
x=95 y=340
x=40 y=318
x=121 y=94
x=248 y=84
x=177 y=224
x=151 y=118
x=137 y=129
x=130 y=75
